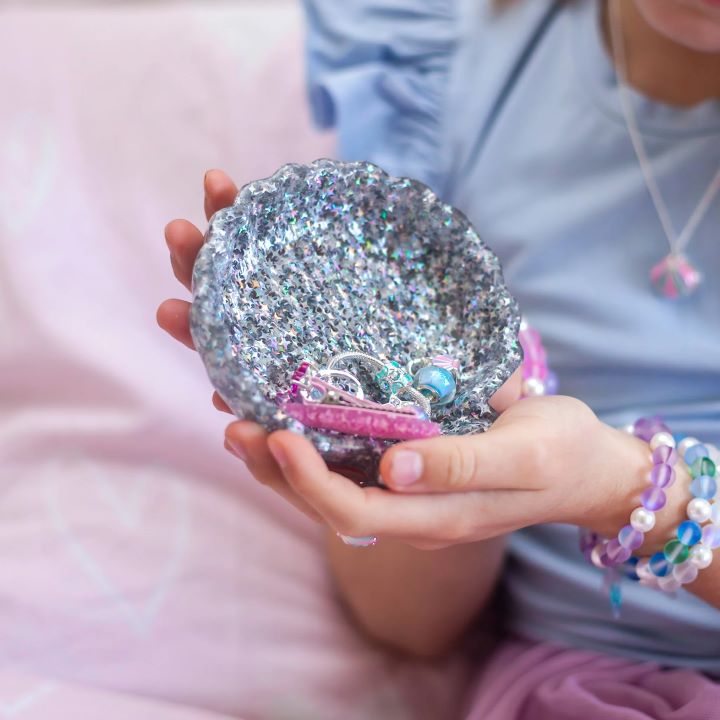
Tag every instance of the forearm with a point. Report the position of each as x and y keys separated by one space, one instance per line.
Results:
x=418 y=601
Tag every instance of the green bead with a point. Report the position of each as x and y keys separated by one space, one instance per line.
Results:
x=675 y=552
x=703 y=466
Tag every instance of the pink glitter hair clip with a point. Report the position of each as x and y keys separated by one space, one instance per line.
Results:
x=321 y=405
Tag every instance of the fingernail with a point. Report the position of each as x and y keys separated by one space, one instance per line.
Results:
x=406 y=468
x=236 y=449
x=279 y=454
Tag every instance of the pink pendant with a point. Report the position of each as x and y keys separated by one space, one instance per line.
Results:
x=363 y=421
x=674 y=277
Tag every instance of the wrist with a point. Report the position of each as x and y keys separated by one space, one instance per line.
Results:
x=632 y=464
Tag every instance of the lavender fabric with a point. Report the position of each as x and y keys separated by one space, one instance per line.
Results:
x=541 y=681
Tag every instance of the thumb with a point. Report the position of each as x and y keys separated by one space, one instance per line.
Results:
x=486 y=461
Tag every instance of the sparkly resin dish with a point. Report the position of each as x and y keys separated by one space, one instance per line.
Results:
x=335 y=257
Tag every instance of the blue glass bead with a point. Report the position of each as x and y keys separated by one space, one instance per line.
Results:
x=438 y=384
x=659 y=566
x=702 y=466
x=393 y=378
x=689 y=533
x=704 y=487
x=695 y=453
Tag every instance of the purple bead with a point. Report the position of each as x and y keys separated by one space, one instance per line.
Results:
x=664 y=454
x=551 y=383
x=711 y=536
x=695 y=453
x=704 y=487
x=653 y=499
x=644 y=429
x=630 y=538
x=616 y=552
x=662 y=475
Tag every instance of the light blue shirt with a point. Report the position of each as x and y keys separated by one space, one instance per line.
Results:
x=514 y=117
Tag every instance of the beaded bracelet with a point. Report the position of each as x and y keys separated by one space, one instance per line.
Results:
x=608 y=553
x=691 y=550
x=682 y=557
x=538 y=379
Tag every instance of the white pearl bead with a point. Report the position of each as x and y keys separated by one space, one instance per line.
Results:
x=629 y=428
x=642 y=519
x=715 y=517
x=685 y=444
x=686 y=572
x=701 y=556
x=523 y=324
x=533 y=387
x=669 y=583
x=595 y=556
x=699 y=510
x=662 y=438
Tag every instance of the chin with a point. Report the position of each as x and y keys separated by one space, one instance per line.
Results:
x=692 y=23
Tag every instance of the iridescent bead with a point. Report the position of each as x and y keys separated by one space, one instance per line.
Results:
x=703 y=487
x=653 y=499
x=689 y=533
x=662 y=439
x=392 y=378
x=662 y=475
x=701 y=556
x=642 y=569
x=437 y=383
x=669 y=583
x=616 y=552
x=686 y=572
x=551 y=383
x=695 y=453
x=702 y=466
x=711 y=536
x=629 y=428
x=715 y=515
x=659 y=565
x=675 y=552
x=685 y=444
x=699 y=510
x=664 y=454
x=642 y=519
x=630 y=538
x=714 y=453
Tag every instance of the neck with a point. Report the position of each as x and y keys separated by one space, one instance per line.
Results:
x=657 y=66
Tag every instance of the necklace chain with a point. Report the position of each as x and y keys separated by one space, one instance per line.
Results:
x=678 y=243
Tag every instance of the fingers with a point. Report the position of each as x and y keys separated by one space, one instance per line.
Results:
x=248 y=441
x=494 y=460
x=184 y=241
x=220 y=404
x=355 y=511
x=173 y=316
x=220 y=191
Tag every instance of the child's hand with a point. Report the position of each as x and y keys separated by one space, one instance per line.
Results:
x=544 y=460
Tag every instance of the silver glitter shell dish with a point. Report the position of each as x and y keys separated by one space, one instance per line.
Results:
x=333 y=257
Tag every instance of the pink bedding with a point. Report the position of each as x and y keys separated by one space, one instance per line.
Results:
x=143 y=574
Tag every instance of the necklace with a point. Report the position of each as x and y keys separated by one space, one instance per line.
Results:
x=674 y=276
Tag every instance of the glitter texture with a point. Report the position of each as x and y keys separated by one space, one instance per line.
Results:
x=334 y=257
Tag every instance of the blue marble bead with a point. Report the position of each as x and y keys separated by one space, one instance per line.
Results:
x=659 y=566
x=695 y=453
x=689 y=533
x=438 y=384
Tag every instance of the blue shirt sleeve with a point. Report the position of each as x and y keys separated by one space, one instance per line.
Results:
x=378 y=71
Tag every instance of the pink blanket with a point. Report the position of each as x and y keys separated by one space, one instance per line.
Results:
x=143 y=573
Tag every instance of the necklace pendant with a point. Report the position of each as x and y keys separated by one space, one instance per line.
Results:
x=675 y=277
